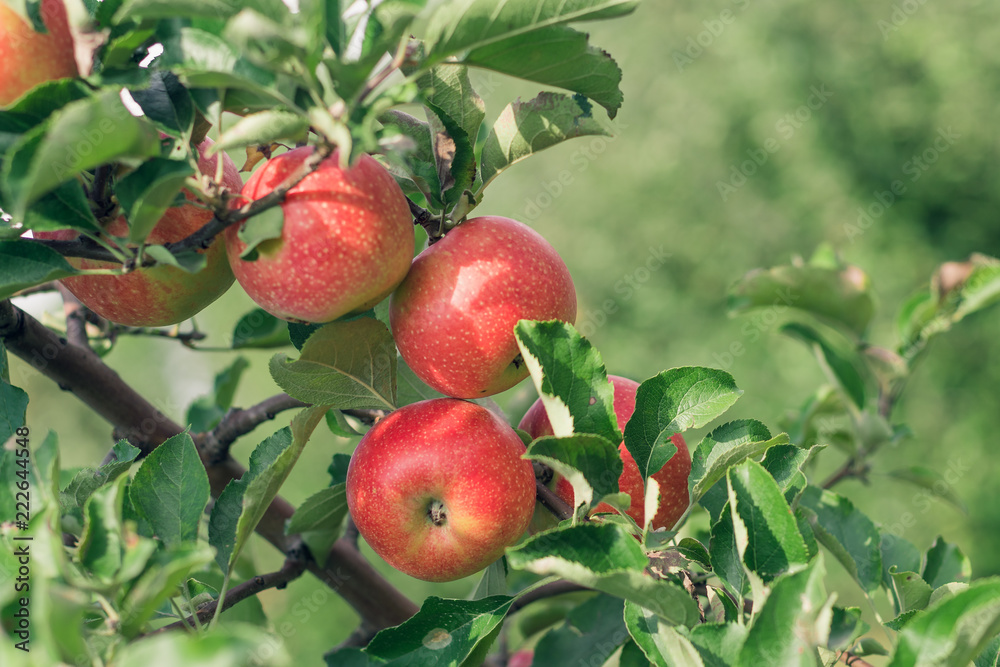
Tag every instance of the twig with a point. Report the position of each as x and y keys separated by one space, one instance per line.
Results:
x=559 y=507
x=80 y=371
x=424 y=218
x=186 y=337
x=294 y=566
x=238 y=422
x=224 y=217
x=550 y=590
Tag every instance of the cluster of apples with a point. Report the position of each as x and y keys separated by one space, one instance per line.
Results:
x=437 y=488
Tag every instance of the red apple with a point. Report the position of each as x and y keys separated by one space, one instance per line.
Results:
x=453 y=316
x=438 y=488
x=159 y=295
x=347 y=240
x=672 y=478
x=30 y=58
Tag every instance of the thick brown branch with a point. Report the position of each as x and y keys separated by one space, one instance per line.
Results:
x=76 y=318
x=80 y=371
x=292 y=569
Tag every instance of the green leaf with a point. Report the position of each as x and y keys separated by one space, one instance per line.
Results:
x=338 y=468
x=525 y=128
x=785 y=462
x=727 y=562
x=591 y=634
x=167 y=103
x=608 y=558
x=82 y=135
x=26 y=263
x=847 y=533
x=953 y=632
x=841 y=365
x=414 y=167
x=447 y=90
x=869 y=646
x=912 y=592
x=493 y=581
x=263 y=128
x=990 y=656
x=946 y=563
x=146 y=193
x=88 y=480
x=470 y=24
x=13 y=400
x=931 y=480
x=261 y=228
x=242 y=504
x=229 y=505
x=260 y=329
x=171 y=490
x=65 y=206
x=101 y=543
x=589 y=462
x=719 y=644
x=410 y=388
x=790 y=624
x=569 y=375
x=320 y=519
x=166 y=9
x=774 y=545
x=695 y=552
x=454 y=156
x=663 y=645
x=443 y=632
x=344 y=365
x=981 y=289
x=227 y=645
x=841 y=297
x=159 y=582
x=725 y=447
x=204 y=60
x=556 y=56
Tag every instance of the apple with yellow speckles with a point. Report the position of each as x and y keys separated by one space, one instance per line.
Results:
x=30 y=58
x=159 y=295
x=438 y=488
x=453 y=316
x=346 y=243
x=672 y=477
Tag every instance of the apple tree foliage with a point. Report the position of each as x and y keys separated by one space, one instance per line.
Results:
x=740 y=580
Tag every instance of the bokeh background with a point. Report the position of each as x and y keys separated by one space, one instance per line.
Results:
x=853 y=94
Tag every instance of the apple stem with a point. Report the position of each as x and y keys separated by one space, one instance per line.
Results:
x=437 y=513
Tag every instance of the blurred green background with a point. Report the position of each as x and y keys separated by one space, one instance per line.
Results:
x=852 y=94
